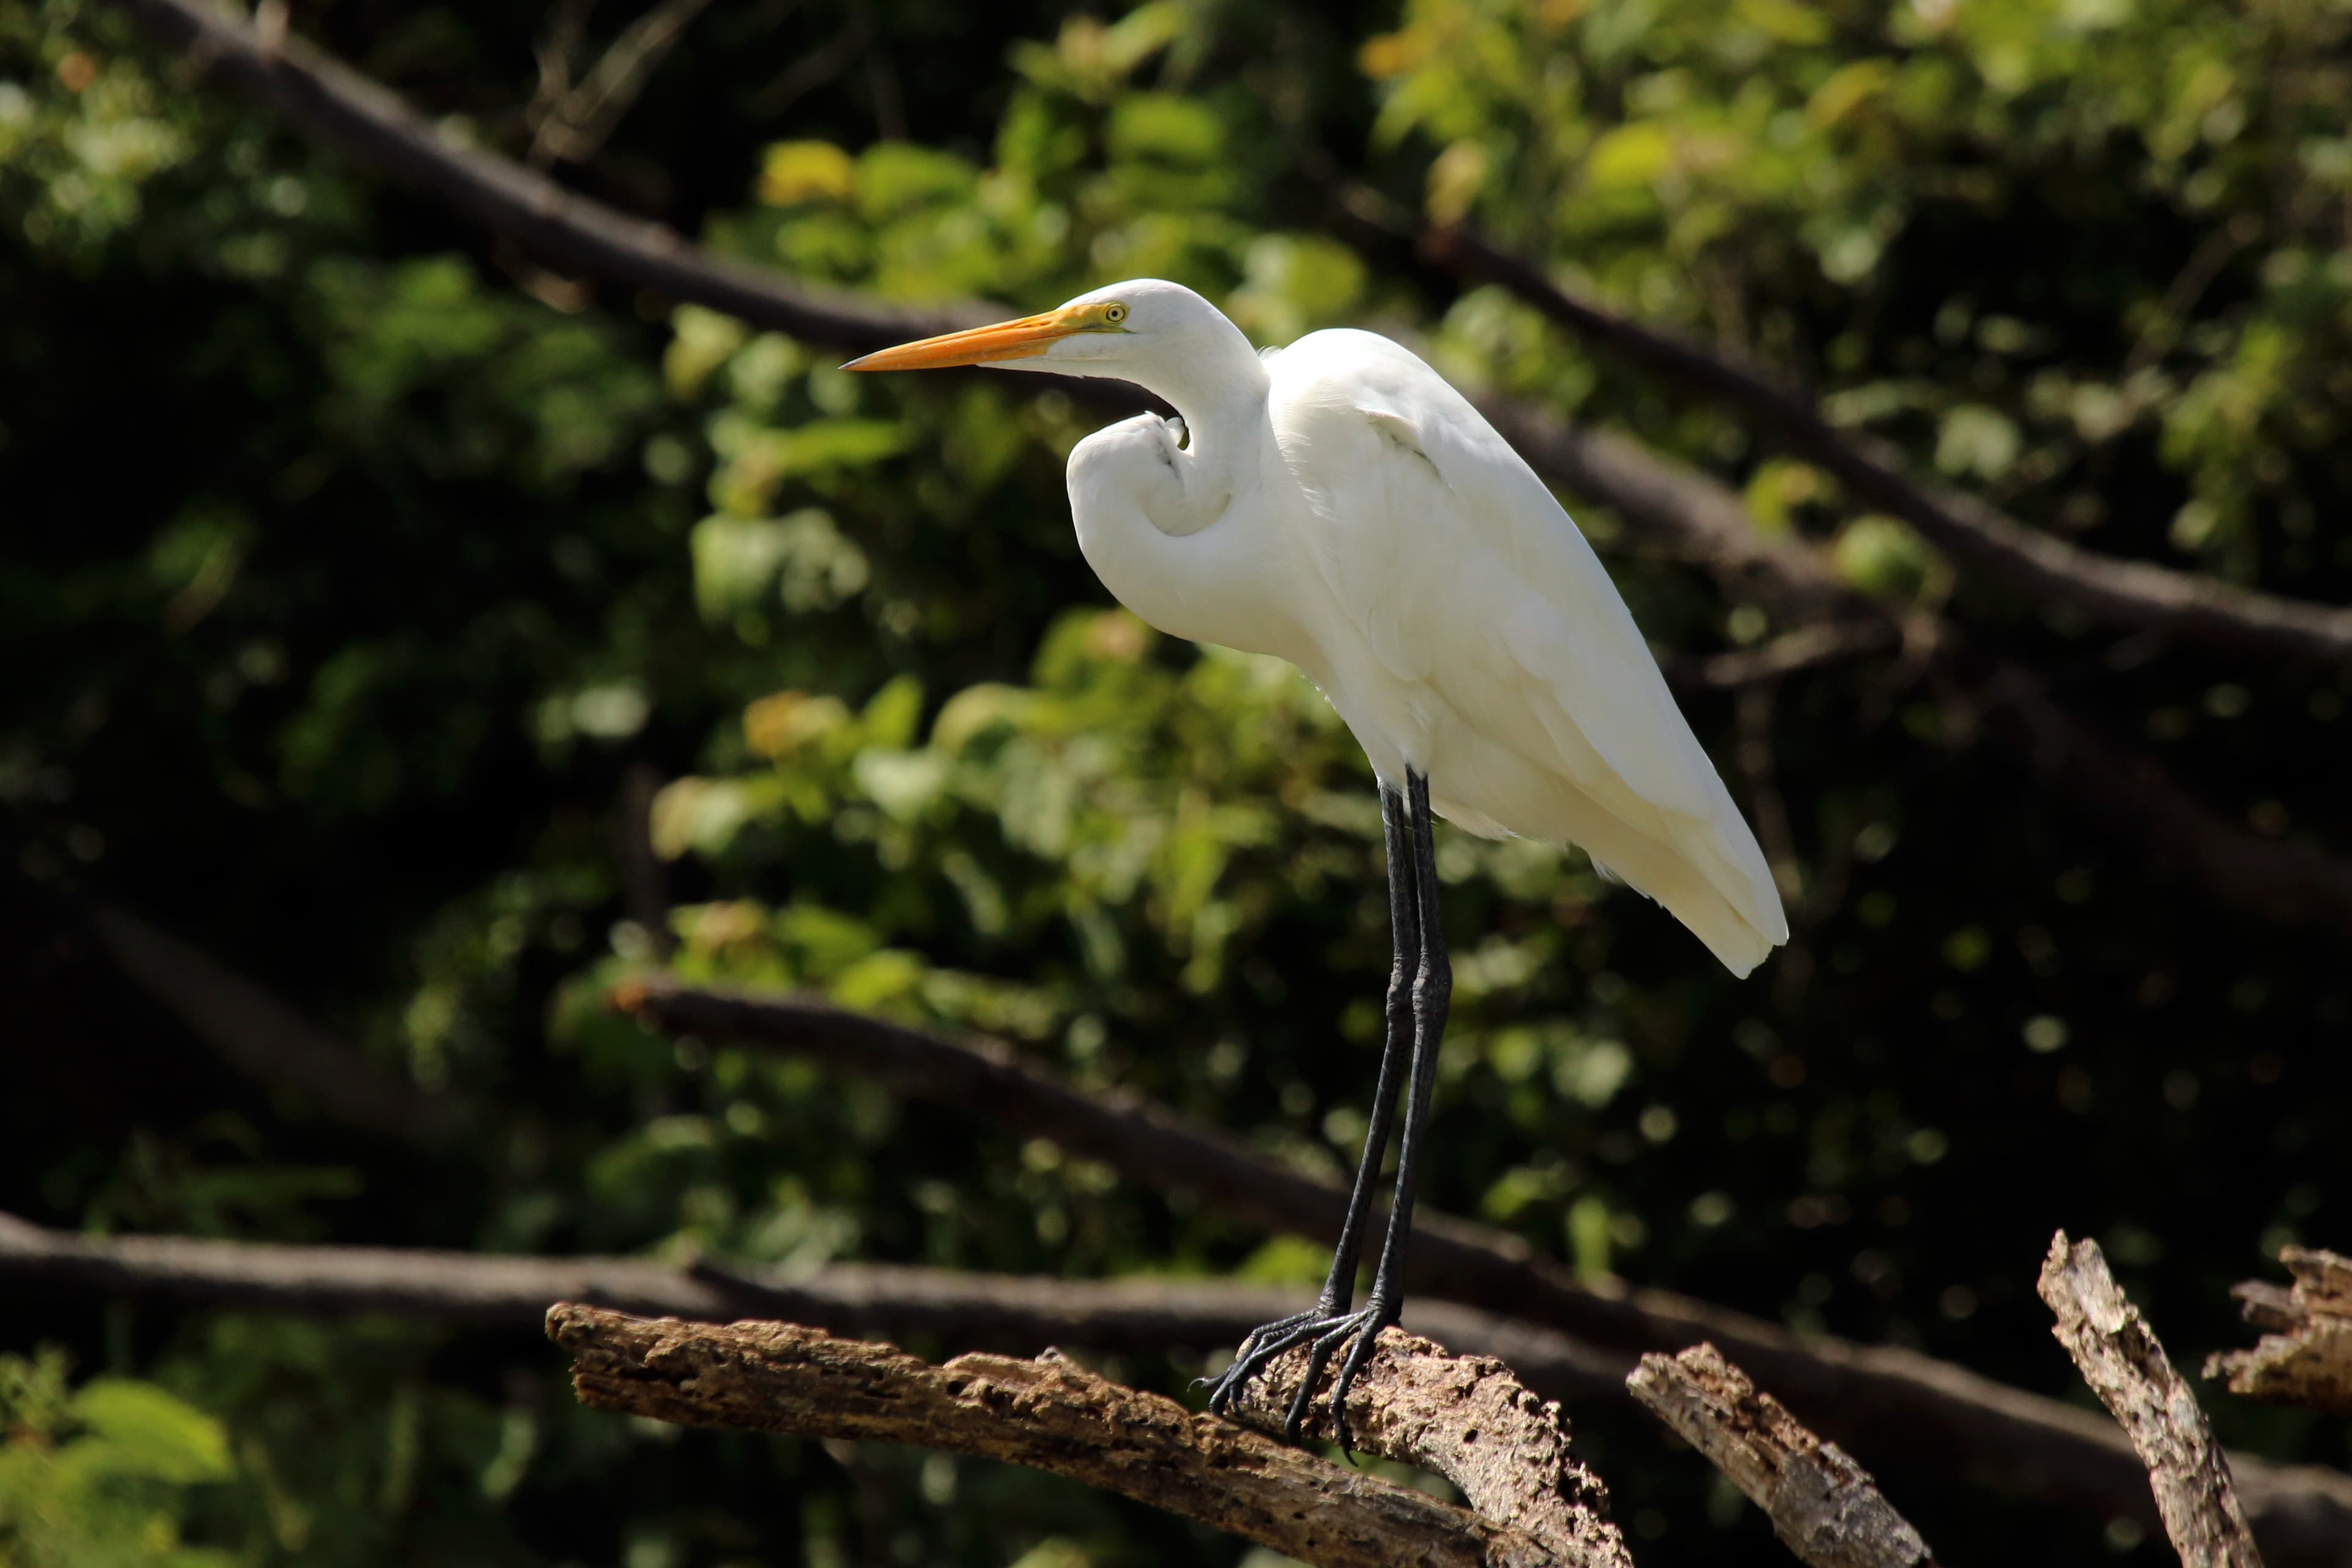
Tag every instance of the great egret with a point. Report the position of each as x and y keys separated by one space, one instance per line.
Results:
x=1336 y=504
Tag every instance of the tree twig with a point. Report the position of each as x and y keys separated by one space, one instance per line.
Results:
x=267 y=1041
x=1050 y=1415
x=2134 y=593
x=573 y=121
x=2119 y=1356
x=1892 y=1404
x=1822 y=1505
x=2305 y=1357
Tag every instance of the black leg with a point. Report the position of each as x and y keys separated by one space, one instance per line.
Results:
x=1419 y=983
x=1270 y=1339
x=1432 y=993
x=1404 y=937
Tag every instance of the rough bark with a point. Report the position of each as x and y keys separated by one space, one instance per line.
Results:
x=1893 y=1406
x=2119 y=1356
x=2305 y=1358
x=1050 y=1415
x=1467 y=1419
x=1822 y=1505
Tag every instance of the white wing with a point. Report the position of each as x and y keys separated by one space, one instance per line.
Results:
x=1488 y=614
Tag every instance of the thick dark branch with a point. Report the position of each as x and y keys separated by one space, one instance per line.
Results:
x=2134 y=593
x=2120 y=1358
x=1892 y=1404
x=1049 y=1414
x=2305 y=1358
x=1822 y=1505
x=267 y=1041
x=996 y=1312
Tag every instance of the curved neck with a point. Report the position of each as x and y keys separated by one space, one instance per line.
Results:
x=1215 y=381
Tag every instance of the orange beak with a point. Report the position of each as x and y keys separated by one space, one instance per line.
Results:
x=1024 y=339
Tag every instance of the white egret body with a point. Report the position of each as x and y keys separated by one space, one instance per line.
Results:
x=1336 y=504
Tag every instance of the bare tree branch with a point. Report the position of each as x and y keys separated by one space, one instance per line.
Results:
x=2134 y=593
x=818 y=67
x=2305 y=1359
x=1822 y=1505
x=2120 y=1358
x=269 y=1042
x=996 y=1312
x=1892 y=1404
x=1049 y=1414
x=1465 y=1418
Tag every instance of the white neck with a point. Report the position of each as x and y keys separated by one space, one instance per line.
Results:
x=1216 y=382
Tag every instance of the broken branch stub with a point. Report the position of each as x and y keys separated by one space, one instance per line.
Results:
x=1822 y=1505
x=2119 y=1356
x=2305 y=1359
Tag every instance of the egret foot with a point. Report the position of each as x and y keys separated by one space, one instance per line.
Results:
x=1322 y=1331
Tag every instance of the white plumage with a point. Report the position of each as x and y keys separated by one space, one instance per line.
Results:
x=1339 y=505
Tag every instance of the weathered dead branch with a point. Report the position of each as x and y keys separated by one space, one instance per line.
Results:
x=2306 y=1356
x=1465 y=1417
x=2120 y=1357
x=1822 y=1505
x=1050 y=1415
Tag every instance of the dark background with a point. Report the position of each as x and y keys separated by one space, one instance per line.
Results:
x=353 y=560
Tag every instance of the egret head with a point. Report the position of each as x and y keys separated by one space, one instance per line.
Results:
x=1117 y=331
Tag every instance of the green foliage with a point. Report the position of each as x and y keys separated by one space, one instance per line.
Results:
x=357 y=566
x=99 y=1474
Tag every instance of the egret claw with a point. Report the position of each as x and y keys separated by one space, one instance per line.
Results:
x=1322 y=1333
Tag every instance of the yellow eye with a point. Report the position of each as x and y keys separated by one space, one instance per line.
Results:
x=1114 y=315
